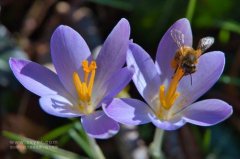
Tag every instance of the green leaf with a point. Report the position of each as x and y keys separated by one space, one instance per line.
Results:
x=57 y=132
x=229 y=26
x=230 y=80
x=207 y=140
x=82 y=133
x=224 y=36
x=86 y=142
x=42 y=148
x=81 y=142
x=63 y=140
x=191 y=9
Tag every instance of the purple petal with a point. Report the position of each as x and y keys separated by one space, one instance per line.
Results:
x=99 y=125
x=207 y=112
x=119 y=80
x=59 y=106
x=167 y=47
x=36 y=78
x=172 y=124
x=68 y=50
x=114 y=85
x=209 y=69
x=112 y=56
x=128 y=111
x=146 y=77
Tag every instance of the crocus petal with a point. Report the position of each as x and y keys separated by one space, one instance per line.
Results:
x=207 y=112
x=112 y=55
x=128 y=111
x=99 y=125
x=68 y=50
x=209 y=69
x=58 y=106
x=167 y=47
x=36 y=78
x=146 y=77
x=172 y=124
x=114 y=85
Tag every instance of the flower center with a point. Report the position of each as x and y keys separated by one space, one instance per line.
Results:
x=169 y=96
x=84 y=87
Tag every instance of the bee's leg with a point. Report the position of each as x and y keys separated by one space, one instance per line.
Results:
x=191 y=78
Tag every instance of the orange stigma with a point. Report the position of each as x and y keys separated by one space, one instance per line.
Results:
x=84 y=88
x=169 y=96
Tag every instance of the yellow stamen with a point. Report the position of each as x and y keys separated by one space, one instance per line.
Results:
x=86 y=70
x=85 y=95
x=174 y=83
x=77 y=83
x=93 y=67
x=86 y=77
x=162 y=95
x=174 y=98
x=168 y=98
x=85 y=64
x=84 y=88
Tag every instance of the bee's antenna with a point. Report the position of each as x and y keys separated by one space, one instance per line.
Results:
x=191 y=78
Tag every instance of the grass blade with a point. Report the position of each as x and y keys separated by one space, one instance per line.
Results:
x=81 y=142
x=41 y=148
x=57 y=132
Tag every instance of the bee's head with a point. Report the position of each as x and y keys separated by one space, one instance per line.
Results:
x=189 y=63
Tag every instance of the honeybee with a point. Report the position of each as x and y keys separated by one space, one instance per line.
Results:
x=186 y=57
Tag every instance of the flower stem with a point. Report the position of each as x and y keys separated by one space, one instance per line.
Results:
x=98 y=154
x=90 y=147
x=190 y=9
x=155 y=148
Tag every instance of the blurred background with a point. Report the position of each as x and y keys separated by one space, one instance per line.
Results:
x=25 y=31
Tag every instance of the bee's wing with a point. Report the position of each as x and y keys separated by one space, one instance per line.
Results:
x=178 y=37
x=205 y=43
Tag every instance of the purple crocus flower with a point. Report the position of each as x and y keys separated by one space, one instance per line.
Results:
x=81 y=83
x=170 y=99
